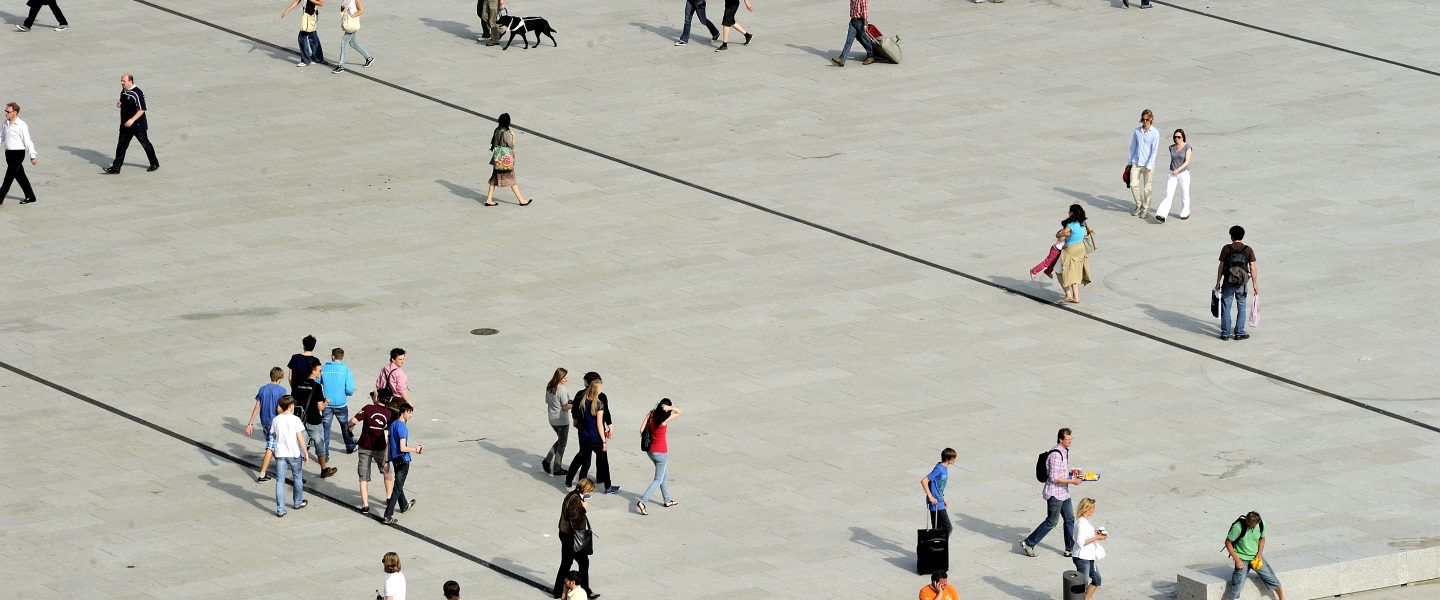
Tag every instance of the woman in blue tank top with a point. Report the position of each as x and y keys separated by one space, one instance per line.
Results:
x=1075 y=266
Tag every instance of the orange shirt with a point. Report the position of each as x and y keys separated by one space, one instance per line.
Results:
x=928 y=593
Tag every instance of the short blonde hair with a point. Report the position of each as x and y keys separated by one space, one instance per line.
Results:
x=1086 y=507
x=392 y=562
x=585 y=485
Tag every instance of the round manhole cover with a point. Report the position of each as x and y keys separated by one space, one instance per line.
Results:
x=484 y=331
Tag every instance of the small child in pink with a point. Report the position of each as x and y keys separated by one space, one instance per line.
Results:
x=1049 y=263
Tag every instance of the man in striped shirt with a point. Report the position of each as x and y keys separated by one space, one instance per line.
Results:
x=1057 y=496
x=859 y=17
x=132 y=125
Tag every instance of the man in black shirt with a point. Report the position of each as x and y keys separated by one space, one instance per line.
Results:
x=132 y=124
x=300 y=364
x=310 y=407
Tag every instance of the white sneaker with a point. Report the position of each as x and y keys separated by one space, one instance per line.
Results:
x=302 y=64
x=681 y=43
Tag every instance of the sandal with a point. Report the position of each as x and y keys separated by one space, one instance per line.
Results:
x=640 y=506
x=670 y=503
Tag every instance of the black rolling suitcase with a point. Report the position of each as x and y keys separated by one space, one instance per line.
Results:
x=932 y=550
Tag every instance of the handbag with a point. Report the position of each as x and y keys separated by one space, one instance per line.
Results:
x=503 y=157
x=584 y=542
x=647 y=436
x=348 y=22
x=1254 y=320
x=1125 y=177
x=307 y=22
x=1089 y=242
x=1215 y=303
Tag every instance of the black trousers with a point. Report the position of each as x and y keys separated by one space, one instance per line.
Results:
x=35 y=12
x=15 y=172
x=397 y=494
x=126 y=133
x=568 y=556
x=581 y=465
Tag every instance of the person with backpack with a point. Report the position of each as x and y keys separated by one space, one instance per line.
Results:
x=1246 y=544
x=934 y=484
x=1053 y=468
x=1237 y=268
x=653 y=442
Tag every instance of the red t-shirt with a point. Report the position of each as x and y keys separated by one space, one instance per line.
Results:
x=657 y=438
x=374 y=420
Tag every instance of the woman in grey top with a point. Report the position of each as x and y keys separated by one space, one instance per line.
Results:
x=559 y=411
x=1180 y=154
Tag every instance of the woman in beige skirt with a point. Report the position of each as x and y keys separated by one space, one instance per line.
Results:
x=503 y=137
x=1075 y=267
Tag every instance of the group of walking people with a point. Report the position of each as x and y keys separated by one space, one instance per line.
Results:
x=309 y=38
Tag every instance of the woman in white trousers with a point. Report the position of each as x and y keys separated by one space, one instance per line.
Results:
x=1180 y=155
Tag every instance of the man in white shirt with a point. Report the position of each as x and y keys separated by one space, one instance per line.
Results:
x=289 y=454
x=573 y=591
x=15 y=135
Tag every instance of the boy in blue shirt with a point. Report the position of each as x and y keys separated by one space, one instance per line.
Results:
x=400 y=450
x=934 y=485
x=267 y=402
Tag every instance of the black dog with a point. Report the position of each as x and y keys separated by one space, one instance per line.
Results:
x=523 y=26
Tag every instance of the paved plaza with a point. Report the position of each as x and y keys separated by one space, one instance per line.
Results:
x=824 y=267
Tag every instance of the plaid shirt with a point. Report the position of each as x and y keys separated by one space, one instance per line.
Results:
x=859 y=9
x=1059 y=466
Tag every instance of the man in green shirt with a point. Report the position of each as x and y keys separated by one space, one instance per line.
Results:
x=1246 y=543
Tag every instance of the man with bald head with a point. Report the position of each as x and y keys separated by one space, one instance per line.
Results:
x=132 y=125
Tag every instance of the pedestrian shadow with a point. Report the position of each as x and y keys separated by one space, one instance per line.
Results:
x=897 y=555
x=275 y=53
x=669 y=33
x=454 y=28
x=262 y=501
x=534 y=576
x=1179 y=320
x=1100 y=202
x=468 y=193
x=1009 y=535
x=825 y=54
x=1034 y=290
x=93 y=157
x=523 y=462
x=1016 y=591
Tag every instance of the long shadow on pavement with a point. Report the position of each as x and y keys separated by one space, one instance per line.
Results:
x=825 y=54
x=1018 y=591
x=262 y=501
x=1100 y=202
x=1009 y=535
x=669 y=33
x=285 y=55
x=1180 y=320
x=524 y=462
x=468 y=193
x=898 y=555
x=93 y=157
x=454 y=28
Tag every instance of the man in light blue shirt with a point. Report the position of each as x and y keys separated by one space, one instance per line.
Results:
x=338 y=384
x=1144 y=146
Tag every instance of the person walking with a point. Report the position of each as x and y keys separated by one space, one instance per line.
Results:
x=558 y=409
x=503 y=162
x=1180 y=154
x=593 y=430
x=394 y=579
x=731 y=6
x=1144 y=146
x=1074 y=263
x=309 y=38
x=1237 y=267
x=859 y=18
x=1087 y=550
x=489 y=13
x=350 y=11
x=392 y=381
x=310 y=398
x=1245 y=542
x=374 y=421
x=934 y=484
x=939 y=588
x=657 y=424
x=1057 y=495
x=35 y=6
x=693 y=8
x=133 y=125
x=338 y=384
x=15 y=134
x=572 y=520
x=400 y=450
x=267 y=404
x=300 y=364
x=289 y=454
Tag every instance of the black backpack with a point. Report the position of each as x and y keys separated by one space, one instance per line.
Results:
x=1042 y=467
x=1237 y=268
x=1244 y=527
x=386 y=392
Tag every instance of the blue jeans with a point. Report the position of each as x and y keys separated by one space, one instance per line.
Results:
x=1088 y=570
x=310 y=47
x=857 y=28
x=293 y=464
x=346 y=42
x=693 y=9
x=341 y=414
x=1237 y=292
x=1237 y=579
x=1054 y=510
x=662 y=477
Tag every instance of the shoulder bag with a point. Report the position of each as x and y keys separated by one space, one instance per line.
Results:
x=307 y=22
x=647 y=435
x=584 y=540
x=1089 y=241
x=348 y=22
x=503 y=156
